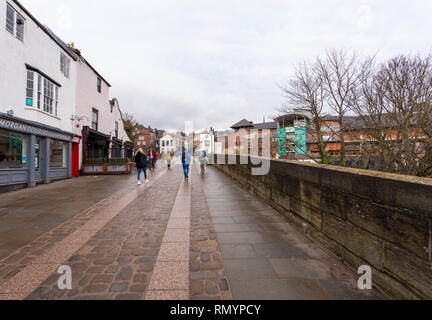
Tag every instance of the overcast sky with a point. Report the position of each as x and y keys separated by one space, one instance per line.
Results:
x=217 y=62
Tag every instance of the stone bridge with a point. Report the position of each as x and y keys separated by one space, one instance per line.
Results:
x=301 y=232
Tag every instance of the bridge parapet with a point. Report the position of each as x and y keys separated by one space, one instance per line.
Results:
x=364 y=217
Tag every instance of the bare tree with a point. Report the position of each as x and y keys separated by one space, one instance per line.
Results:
x=306 y=91
x=394 y=106
x=342 y=73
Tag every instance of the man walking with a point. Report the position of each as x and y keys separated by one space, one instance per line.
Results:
x=186 y=161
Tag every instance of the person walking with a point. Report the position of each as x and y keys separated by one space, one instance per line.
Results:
x=203 y=160
x=152 y=158
x=186 y=161
x=168 y=159
x=141 y=164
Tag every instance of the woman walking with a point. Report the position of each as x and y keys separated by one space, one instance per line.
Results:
x=141 y=164
x=168 y=159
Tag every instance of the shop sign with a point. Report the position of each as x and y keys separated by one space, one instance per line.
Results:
x=21 y=127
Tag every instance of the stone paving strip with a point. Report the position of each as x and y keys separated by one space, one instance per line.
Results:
x=170 y=279
x=38 y=260
x=208 y=279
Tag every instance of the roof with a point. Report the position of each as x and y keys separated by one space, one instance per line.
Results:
x=265 y=126
x=242 y=124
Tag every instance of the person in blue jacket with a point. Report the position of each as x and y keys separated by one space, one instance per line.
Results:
x=141 y=164
x=186 y=161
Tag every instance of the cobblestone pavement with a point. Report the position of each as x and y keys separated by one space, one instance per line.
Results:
x=117 y=263
x=202 y=239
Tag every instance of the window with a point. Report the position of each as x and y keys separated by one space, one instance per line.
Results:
x=99 y=85
x=57 y=154
x=10 y=19
x=64 y=65
x=163 y=143
x=95 y=119
x=15 y=23
x=30 y=88
x=116 y=129
x=13 y=150
x=50 y=97
x=20 y=27
x=39 y=93
x=35 y=82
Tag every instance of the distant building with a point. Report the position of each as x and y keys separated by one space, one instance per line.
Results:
x=250 y=138
x=167 y=144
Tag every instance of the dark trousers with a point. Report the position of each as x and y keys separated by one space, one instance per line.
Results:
x=186 y=171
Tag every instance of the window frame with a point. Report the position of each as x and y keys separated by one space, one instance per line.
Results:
x=65 y=65
x=30 y=86
x=99 y=85
x=46 y=91
x=17 y=30
x=95 y=112
x=9 y=9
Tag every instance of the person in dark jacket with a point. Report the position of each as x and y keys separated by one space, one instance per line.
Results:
x=141 y=164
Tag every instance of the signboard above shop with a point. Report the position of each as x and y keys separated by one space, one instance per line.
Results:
x=14 y=124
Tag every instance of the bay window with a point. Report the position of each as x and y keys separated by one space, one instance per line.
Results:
x=37 y=84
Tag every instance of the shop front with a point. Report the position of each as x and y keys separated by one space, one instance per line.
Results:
x=117 y=150
x=95 y=144
x=32 y=153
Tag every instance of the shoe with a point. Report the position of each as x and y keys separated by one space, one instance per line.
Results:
x=147 y=181
x=139 y=183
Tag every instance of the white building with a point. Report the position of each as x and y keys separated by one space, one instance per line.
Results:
x=207 y=143
x=55 y=109
x=37 y=99
x=168 y=144
x=103 y=133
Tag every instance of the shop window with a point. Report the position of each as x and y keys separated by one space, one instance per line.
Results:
x=57 y=154
x=13 y=150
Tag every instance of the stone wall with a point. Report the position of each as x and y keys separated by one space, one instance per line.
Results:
x=364 y=217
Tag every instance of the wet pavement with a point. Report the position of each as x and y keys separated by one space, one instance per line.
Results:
x=203 y=239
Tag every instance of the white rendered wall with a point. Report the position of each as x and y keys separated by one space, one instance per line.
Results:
x=43 y=53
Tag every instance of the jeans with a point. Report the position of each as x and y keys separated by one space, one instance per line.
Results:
x=186 y=171
x=139 y=173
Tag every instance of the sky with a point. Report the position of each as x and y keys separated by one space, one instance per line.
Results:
x=215 y=62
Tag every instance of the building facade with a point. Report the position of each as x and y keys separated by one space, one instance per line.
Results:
x=49 y=96
x=37 y=99
x=99 y=118
x=167 y=144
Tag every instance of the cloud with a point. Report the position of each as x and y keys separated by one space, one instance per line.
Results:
x=216 y=62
